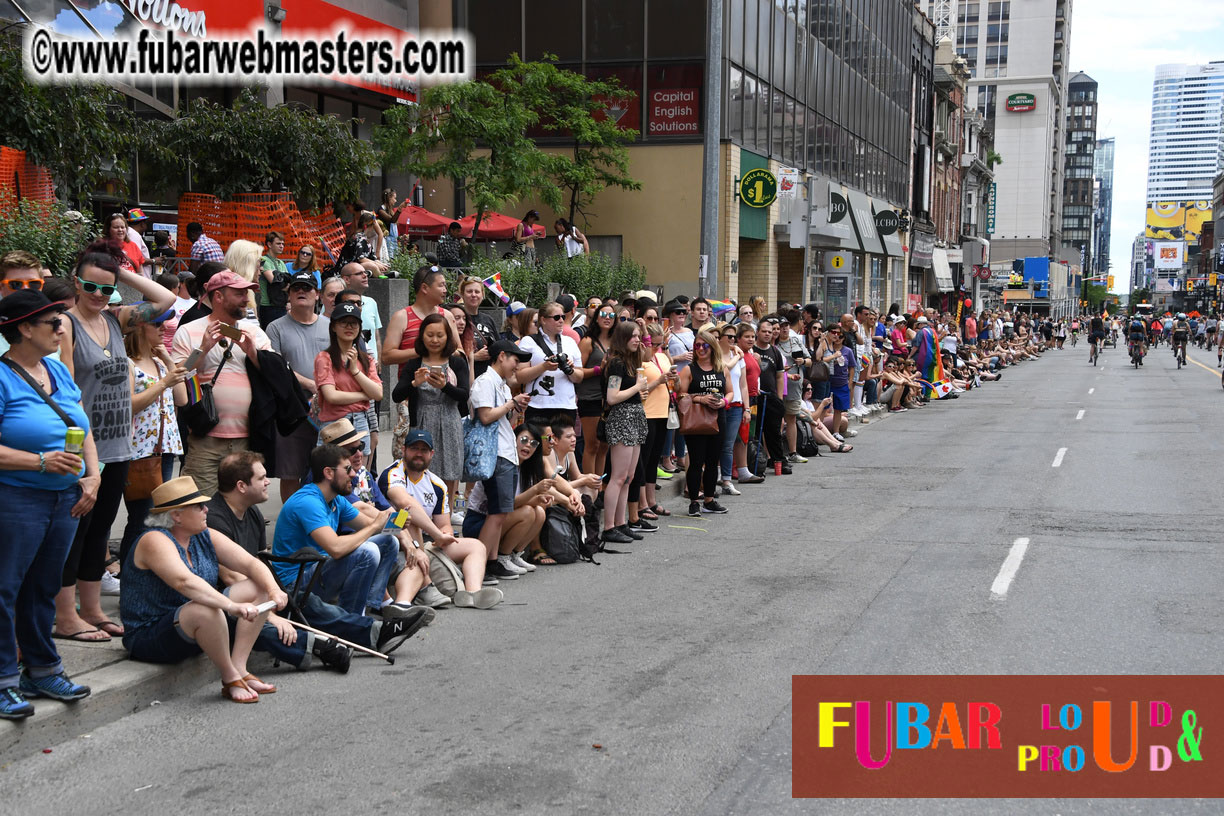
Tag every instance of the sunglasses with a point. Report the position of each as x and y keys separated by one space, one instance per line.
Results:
x=680 y=312
x=606 y=314
x=54 y=323
x=15 y=285
x=591 y=305
x=529 y=441
x=554 y=317
x=306 y=252
x=354 y=450
x=365 y=273
x=89 y=287
x=700 y=346
x=625 y=319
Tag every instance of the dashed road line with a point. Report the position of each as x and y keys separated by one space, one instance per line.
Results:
x=1080 y=415
x=1011 y=564
x=1058 y=457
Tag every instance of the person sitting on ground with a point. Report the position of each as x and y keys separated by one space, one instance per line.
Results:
x=523 y=522
x=409 y=479
x=561 y=465
x=170 y=605
x=359 y=567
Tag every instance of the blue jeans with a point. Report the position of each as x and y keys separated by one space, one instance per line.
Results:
x=38 y=531
x=871 y=390
x=331 y=619
x=735 y=415
x=360 y=578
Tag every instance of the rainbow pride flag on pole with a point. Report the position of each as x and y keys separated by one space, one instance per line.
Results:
x=721 y=307
x=194 y=392
x=494 y=285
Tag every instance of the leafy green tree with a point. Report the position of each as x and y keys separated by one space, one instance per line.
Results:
x=84 y=135
x=570 y=105
x=475 y=134
x=250 y=147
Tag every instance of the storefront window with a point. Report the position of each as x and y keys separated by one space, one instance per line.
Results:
x=875 y=282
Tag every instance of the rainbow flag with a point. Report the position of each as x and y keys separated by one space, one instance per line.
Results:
x=721 y=307
x=941 y=386
x=494 y=285
x=194 y=392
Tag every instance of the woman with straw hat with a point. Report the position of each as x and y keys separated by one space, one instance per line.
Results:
x=170 y=604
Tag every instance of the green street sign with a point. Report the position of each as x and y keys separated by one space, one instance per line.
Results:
x=758 y=188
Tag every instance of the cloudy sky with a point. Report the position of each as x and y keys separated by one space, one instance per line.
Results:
x=1119 y=43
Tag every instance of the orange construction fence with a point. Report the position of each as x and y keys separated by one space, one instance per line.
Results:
x=251 y=216
x=20 y=178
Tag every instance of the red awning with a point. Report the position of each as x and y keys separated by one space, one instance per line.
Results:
x=495 y=226
x=420 y=222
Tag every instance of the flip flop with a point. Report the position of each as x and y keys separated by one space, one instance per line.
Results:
x=115 y=629
x=660 y=510
x=77 y=636
x=247 y=680
x=237 y=684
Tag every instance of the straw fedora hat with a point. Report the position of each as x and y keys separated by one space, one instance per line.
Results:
x=176 y=494
x=341 y=432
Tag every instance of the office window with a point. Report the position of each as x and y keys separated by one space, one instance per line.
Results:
x=676 y=28
x=734 y=112
x=614 y=29
x=553 y=27
x=497 y=30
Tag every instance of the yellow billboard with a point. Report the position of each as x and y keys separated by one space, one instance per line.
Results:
x=1177 y=220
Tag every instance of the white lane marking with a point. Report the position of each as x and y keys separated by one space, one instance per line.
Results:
x=1011 y=564
x=1058 y=457
x=1090 y=390
x=1080 y=415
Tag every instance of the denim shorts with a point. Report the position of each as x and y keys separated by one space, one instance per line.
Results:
x=163 y=642
x=501 y=489
x=841 y=397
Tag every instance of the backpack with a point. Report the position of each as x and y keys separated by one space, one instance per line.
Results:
x=560 y=536
x=805 y=441
x=443 y=572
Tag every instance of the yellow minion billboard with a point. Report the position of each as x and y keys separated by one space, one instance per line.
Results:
x=1177 y=220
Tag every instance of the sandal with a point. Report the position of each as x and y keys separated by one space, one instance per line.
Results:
x=271 y=689
x=236 y=684
x=543 y=559
x=842 y=448
x=659 y=510
x=108 y=626
x=648 y=515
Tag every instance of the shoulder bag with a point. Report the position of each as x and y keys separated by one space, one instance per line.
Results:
x=201 y=415
x=25 y=375
x=697 y=419
x=145 y=474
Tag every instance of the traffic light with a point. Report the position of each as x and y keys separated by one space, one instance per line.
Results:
x=1213 y=279
x=1110 y=281
x=1189 y=284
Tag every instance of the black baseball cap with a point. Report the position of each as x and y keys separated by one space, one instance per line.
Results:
x=344 y=311
x=302 y=279
x=509 y=348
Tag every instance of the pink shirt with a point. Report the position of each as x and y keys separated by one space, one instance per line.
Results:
x=970 y=329
x=232 y=391
x=325 y=374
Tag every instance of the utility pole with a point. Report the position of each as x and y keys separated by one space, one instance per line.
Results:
x=709 y=164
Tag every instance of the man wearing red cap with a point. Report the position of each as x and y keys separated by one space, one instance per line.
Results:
x=226 y=292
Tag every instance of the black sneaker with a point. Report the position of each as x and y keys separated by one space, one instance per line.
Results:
x=395 y=632
x=614 y=535
x=499 y=571
x=713 y=507
x=643 y=526
x=489 y=580
x=629 y=531
x=694 y=509
x=333 y=655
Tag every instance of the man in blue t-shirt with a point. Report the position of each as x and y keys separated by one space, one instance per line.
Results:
x=360 y=564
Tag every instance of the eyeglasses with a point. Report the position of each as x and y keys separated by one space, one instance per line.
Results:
x=529 y=441
x=625 y=319
x=89 y=287
x=15 y=285
x=606 y=314
x=365 y=273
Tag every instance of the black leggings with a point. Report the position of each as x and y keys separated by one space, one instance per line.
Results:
x=87 y=558
x=704 y=454
x=771 y=425
x=656 y=435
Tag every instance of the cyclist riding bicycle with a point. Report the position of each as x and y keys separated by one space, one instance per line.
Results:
x=1075 y=326
x=1096 y=333
x=1181 y=333
x=1137 y=334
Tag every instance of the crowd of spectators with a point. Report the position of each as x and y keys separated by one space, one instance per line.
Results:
x=528 y=442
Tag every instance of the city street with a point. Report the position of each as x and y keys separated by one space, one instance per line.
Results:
x=659 y=682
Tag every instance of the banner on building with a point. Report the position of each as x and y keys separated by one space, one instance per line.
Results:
x=1177 y=220
x=788 y=182
x=1169 y=254
x=923 y=246
x=674 y=112
x=990 y=208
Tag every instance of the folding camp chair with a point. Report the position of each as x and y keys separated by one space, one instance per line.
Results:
x=293 y=608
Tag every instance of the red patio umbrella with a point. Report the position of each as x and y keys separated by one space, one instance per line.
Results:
x=420 y=222
x=495 y=227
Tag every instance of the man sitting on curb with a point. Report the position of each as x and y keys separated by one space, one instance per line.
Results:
x=356 y=574
x=409 y=480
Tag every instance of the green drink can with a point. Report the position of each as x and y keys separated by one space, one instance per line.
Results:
x=74 y=440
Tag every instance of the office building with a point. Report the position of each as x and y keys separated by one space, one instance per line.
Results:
x=1186 y=147
x=1079 y=169
x=1103 y=170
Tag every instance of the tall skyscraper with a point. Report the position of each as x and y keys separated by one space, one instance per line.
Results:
x=1018 y=53
x=1186 y=148
x=1103 y=169
x=1079 y=167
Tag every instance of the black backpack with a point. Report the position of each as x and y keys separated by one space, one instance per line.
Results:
x=805 y=441
x=560 y=536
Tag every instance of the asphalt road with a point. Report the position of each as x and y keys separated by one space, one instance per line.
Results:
x=677 y=659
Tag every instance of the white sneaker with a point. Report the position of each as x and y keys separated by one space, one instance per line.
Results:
x=839 y=437
x=729 y=489
x=518 y=561
x=110 y=584
x=851 y=432
x=508 y=564
x=457 y=518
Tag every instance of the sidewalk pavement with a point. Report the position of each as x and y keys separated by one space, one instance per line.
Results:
x=121 y=686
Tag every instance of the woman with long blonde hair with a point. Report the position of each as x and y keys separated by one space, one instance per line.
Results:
x=706 y=382
x=242 y=258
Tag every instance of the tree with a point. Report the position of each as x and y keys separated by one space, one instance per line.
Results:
x=1143 y=295
x=475 y=134
x=84 y=135
x=571 y=105
x=1096 y=295
x=250 y=147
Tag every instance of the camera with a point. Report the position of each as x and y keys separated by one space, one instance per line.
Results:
x=563 y=363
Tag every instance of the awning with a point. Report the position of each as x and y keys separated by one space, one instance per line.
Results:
x=892 y=242
x=922 y=246
x=943 y=272
x=864 y=223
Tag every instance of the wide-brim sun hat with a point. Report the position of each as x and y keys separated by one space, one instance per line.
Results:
x=341 y=433
x=26 y=304
x=177 y=494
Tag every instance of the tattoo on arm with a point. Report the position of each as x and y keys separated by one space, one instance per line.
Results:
x=141 y=314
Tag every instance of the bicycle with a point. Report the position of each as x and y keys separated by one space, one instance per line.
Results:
x=1074 y=338
x=1179 y=351
x=1092 y=354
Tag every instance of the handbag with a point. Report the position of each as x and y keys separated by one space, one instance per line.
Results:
x=145 y=474
x=697 y=419
x=201 y=415
x=479 y=450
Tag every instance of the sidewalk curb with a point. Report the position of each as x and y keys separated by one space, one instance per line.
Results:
x=119 y=689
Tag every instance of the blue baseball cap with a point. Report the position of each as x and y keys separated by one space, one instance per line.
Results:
x=419 y=435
